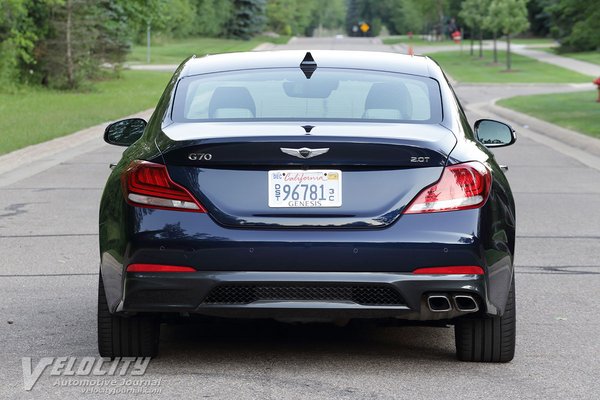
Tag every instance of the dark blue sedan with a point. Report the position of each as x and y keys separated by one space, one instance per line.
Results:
x=308 y=186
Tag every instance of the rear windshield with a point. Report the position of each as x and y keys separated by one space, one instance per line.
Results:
x=286 y=94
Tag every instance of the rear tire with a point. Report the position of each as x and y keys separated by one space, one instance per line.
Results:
x=119 y=336
x=489 y=339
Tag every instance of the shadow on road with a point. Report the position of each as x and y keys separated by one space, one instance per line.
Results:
x=242 y=341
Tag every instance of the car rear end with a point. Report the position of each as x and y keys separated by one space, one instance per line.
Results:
x=281 y=195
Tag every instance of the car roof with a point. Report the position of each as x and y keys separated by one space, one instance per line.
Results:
x=369 y=60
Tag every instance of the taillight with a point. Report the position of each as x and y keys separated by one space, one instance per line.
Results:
x=462 y=269
x=462 y=186
x=158 y=268
x=146 y=184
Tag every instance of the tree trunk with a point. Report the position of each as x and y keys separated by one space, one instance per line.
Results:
x=508 y=60
x=69 y=43
x=148 y=42
x=495 y=49
x=471 y=44
x=480 y=43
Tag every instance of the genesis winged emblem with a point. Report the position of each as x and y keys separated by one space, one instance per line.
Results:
x=304 y=152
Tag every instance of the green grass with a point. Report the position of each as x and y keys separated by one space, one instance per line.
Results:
x=465 y=68
x=174 y=51
x=35 y=115
x=415 y=41
x=578 y=111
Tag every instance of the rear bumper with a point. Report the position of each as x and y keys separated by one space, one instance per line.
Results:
x=195 y=293
x=297 y=257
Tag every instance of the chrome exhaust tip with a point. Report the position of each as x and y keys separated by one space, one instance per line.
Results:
x=439 y=303
x=465 y=303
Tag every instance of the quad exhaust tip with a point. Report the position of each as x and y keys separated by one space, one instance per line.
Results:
x=439 y=303
x=465 y=303
x=442 y=303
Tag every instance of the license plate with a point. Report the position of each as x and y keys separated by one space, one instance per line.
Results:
x=305 y=189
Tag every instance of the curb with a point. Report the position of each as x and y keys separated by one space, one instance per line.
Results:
x=153 y=67
x=567 y=136
x=33 y=159
x=579 y=86
x=570 y=143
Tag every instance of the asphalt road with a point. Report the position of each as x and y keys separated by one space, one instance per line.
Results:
x=48 y=282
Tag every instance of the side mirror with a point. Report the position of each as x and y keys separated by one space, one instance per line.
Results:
x=494 y=133
x=124 y=132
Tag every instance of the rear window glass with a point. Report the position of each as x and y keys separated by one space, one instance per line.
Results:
x=286 y=94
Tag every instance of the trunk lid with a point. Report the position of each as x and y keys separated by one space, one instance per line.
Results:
x=383 y=167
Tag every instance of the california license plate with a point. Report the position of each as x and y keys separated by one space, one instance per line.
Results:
x=305 y=189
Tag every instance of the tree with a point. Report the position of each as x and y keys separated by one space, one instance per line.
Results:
x=113 y=33
x=473 y=13
x=247 y=19
x=539 y=18
x=81 y=36
x=22 y=24
x=65 y=54
x=576 y=24
x=373 y=12
x=489 y=23
x=290 y=17
x=144 y=16
x=404 y=16
x=305 y=18
x=211 y=17
x=329 y=14
x=180 y=17
x=510 y=18
x=280 y=14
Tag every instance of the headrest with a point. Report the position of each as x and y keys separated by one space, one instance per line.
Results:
x=386 y=96
x=231 y=98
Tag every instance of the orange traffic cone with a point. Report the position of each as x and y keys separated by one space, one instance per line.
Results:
x=410 y=51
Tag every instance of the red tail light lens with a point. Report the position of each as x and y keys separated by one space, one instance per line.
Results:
x=158 y=268
x=470 y=270
x=147 y=184
x=461 y=187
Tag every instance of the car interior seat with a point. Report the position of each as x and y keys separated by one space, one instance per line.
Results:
x=388 y=101
x=231 y=102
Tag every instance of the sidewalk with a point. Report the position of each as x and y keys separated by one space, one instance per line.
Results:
x=572 y=64
x=582 y=67
x=172 y=67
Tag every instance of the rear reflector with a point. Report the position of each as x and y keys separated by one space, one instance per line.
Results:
x=158 y=268
x=148 y=184
x=461 y=187
x=469 y=270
